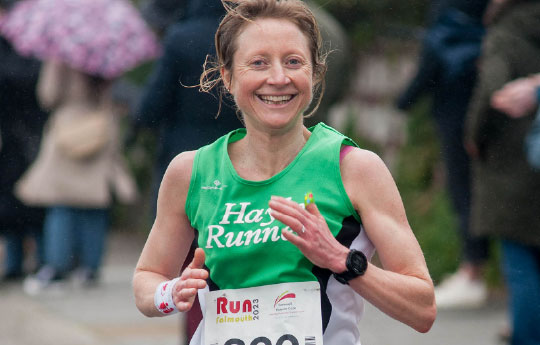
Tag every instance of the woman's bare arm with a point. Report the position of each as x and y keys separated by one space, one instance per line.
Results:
x=402 y=288
x=168 y=244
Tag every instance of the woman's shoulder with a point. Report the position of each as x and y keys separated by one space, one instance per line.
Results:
x=368 y=181
x=179 y=169
x=362 y=161
x=175 y=183
x=182 y=162
x=364 y=171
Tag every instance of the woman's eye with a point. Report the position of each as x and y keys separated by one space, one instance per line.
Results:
x=258 y=63
x=294 y=62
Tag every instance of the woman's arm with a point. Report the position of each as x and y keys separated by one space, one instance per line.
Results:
x=402 y=288
x=168 y=244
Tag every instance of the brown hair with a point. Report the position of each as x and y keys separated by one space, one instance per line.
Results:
x=246 y=11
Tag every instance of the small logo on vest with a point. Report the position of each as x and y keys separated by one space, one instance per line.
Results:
x=217 y=185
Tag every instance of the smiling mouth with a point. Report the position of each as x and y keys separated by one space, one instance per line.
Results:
x=283 y=99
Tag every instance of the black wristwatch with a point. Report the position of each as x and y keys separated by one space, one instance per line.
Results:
x=356 y=266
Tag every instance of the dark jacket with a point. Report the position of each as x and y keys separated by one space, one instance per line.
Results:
x=506 y=201
x=21 y=123
x=447 y=66
x=184 y=117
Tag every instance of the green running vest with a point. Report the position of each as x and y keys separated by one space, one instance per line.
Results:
x=242 y=242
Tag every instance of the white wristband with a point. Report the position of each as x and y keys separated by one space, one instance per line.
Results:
x=163 y=299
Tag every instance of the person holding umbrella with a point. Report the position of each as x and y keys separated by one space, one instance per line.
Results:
x=85 y=45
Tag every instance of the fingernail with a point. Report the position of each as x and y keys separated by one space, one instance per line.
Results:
x=308 y=199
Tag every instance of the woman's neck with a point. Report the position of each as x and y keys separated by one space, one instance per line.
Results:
x=261 y=155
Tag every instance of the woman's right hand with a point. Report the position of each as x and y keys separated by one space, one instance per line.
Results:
x=193 y=278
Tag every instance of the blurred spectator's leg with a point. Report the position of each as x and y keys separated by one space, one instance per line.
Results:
x=39 y=249
x=466 y=287
x=59 y=238
x=14 y=255
x=91 y=231
x=57 y=249
x=521 y=265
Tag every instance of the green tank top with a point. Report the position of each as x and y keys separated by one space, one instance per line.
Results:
x=241 y=240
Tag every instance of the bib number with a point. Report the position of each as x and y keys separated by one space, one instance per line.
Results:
x=283 y=340
x=280 y=314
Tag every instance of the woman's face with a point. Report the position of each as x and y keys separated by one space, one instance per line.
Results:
x=272 y=75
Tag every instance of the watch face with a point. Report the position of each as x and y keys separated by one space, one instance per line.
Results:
x=358 y=263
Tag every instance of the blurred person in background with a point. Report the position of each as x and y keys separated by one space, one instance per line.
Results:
x=505 y=200
x=182 y=117
x=447 y=71
x=21 y=122
x=520 y=98
x=532 y=143
x=161 y=14
x=76 y=187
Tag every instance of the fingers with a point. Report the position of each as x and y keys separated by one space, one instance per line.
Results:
x=195 y=268
x=186 y=289
x=198 y=259
x=317 y=242
x=193 y=279
x=184 y=299
x=289 y=210
x=291 y=237
x=285 y=206
x=291 y=221
x=309 y=203
x=191 y=283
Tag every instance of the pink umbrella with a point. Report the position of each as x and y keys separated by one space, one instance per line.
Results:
x=99 y=37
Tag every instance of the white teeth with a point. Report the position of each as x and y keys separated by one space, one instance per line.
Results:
x=275 y=99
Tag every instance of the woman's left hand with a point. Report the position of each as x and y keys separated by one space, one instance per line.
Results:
x=313 y=237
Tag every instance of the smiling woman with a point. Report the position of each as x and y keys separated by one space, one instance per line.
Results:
x=272 y=79
x=260 y=236
x=227 y=42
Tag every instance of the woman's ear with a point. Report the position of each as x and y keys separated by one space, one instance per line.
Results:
x=226 y=77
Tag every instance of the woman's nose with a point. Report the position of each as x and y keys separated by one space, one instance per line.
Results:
x=278 y=76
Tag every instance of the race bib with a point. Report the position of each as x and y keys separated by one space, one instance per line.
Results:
x=280 y=314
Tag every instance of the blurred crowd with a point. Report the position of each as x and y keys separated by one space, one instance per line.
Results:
x=62 y=139
x=480 y=65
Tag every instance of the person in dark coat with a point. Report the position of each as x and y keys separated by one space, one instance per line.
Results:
x=506 y=201
x=21 y=123
x=447 y=73
x=182 y=117
x=160 y=14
